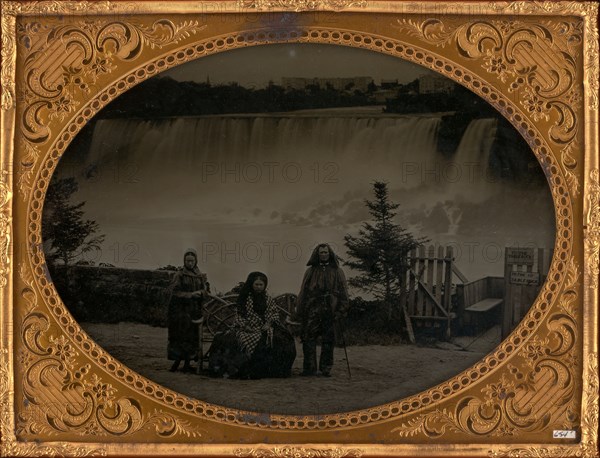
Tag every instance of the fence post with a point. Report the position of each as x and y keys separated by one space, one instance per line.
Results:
x=448 y=288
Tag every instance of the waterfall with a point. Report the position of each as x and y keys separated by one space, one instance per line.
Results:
x=168 y=202
x=184 y=142
x=476 y=143
x=400 y=149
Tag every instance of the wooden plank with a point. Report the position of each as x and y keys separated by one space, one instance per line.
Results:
x=484 y=305
x=421 y=271
x=409 y=327
x=479 y=291
x=460 y=300
x=429 y=309
x=497 y=287
x=424 y=292
x=403 y=294
x=411 y=286
x=507 y=306
x=516 y=301
x=456 y=271
x=448 y=290
x=439 y=271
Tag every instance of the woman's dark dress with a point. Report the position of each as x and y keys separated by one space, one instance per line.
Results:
x=246 y=350
x=183 y=308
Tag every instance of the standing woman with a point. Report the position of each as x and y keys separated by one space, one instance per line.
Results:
x=188 y=289
x=257 y=345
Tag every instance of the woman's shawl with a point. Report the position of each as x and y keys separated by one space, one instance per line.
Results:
x=248 y=327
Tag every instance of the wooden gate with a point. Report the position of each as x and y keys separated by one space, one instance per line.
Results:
x=525 y=270
x=426 y=297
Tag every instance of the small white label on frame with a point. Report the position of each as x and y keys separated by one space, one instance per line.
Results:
x=564 y=434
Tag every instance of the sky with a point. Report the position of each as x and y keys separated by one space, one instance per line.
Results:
x=255 y=66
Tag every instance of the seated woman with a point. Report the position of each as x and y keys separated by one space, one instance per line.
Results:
x=257 y=345
x=188 y=289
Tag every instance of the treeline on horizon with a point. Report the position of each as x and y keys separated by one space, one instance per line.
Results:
x=165 y=97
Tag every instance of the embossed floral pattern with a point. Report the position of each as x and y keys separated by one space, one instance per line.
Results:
x=572 y=360
x=62 y=106
x=62 y=349
x=72 y=77
x=25 y=358
x=504 y=430
x=90 y=429
x=494 y=63
x=535 y=106
x=506 y=26
x=100 y=66
x=498 y=392
x=535 y=349
x=103 y=392
x=574 y=99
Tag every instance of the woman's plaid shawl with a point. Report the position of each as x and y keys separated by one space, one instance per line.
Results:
x=249 y=328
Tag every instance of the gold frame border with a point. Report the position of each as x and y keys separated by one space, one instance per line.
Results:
x=591 y=226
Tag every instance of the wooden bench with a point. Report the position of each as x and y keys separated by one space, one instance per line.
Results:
x=480 y=303
x=484 y=305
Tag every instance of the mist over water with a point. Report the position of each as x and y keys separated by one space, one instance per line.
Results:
x=257 y=192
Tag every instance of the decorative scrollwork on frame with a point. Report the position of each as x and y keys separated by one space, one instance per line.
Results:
x=99 y=410
x=503 y=411
x=5 y=235
x=297 y=452
x=60 y=396
x=5 y=392
x=52 y=92
x=66 y=7
x=18 y=449
x=90 y=49
x=301 y=5
x=589 y=443
x=587 y=448
x=521 y=54
x=490 y=363
x=7 y=53
x=9 y=446
x=535 y=452
x=518 y=402
x=10 y=9
x=592 y=230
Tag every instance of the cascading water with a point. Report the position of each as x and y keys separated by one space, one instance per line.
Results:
x=472 y=158
x=183 y=142
x=173 y=203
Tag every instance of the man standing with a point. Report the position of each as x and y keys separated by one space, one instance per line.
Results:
x=322 y=300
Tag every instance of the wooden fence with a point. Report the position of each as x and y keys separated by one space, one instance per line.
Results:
x=426 y=291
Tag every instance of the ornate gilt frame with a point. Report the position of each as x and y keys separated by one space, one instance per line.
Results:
x=536 y=62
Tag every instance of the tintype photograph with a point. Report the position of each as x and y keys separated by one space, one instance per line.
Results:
x=298 y=228
x=276 y=228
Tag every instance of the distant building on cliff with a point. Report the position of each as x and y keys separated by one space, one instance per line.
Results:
x=360 y=83
x=431 y=84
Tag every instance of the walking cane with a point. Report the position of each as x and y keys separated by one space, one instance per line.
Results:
x=341 y=329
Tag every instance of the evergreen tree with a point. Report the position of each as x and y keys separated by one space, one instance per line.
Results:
x=379 y=252
x=66 y=234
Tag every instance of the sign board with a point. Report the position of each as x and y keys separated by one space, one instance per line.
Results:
x=519 y=256
x=524 y=278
